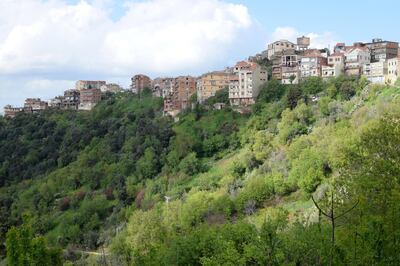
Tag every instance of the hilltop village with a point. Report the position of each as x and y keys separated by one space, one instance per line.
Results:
x=290 y=63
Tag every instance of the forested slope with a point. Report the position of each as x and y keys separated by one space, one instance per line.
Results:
x=217 y=187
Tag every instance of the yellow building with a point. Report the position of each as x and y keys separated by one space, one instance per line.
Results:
x=209 y=83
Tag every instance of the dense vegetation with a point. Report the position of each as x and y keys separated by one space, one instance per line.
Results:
x=214 y=188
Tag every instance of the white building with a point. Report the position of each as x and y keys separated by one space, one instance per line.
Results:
x=244 y=86
x=111 y=87
x=376 y=72
x=331 y=71
x=311 y=66
x=355 y=59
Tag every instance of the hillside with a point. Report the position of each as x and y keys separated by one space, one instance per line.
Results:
x=215 y=188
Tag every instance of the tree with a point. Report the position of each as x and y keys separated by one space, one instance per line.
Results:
x=25 y=249
x=333 y=216
x=147 y=165
x=293 y=95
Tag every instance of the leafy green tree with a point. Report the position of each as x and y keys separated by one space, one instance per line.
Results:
x=147 y=166
x=190 y=165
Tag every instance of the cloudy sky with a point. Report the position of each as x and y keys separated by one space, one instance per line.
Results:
x=45 y=45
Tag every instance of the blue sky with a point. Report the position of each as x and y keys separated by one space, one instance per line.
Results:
x=46 y=45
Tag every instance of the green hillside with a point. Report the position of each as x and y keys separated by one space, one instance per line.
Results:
x=124 y=185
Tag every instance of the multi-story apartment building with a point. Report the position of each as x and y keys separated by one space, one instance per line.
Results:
x=355 y=59
x=276 y=48
x=376 y=72
x=335 y=66
x=177 y=100
x=209 y=83
x=71 y=99
x=11 y=111
x=290 y=67
x=250 y=78
x=161 y=87
x=139 y=83
x=89 y=84
x=35 y=105
x=56 y=102
x=336 y=59
x=89 y=98
x=311 y=64
x=382 y=50
x=393 y=70
x=330 y=71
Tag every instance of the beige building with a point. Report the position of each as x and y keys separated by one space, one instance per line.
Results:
x=11 y=111
x=89 y=84
x=245 y=89
x=376 y=72
x=35 y=104
x=276 y=48
x=331 y=71
x=393 y=70
x=336 y=59
x=209 y=83
x=89 y=98
x=111 y=87
x=335 y=66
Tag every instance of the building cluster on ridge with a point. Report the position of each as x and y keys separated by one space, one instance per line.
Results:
x=378 y=61
x=84 y=96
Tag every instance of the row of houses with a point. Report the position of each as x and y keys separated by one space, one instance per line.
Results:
x=242 y=80
x=378 y=61
x=84 y=96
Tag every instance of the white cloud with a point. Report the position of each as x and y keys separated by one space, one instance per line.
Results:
x=152 y=36
x=318 y=40
x=47 y=44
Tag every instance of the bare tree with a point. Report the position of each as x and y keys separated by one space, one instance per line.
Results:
x=332 y=216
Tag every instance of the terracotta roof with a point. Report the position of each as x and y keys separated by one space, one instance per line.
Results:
x=246 y=64
x=337 y=54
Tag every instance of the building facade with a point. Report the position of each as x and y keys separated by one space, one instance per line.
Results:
x=250 y=78
x=393 y=70
x=161 y=87
x=35 y=105
x=139 y=83
x=71 y=99
x=179 y=98
x=209 y=83
x=11 y=111
x=111 y=87
x=311 y=66
x=290 y=67
x=89 y=84
x=382 y=50
x=276 y=48
x=355 y=59
x=376 y=72
x=89 y=98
